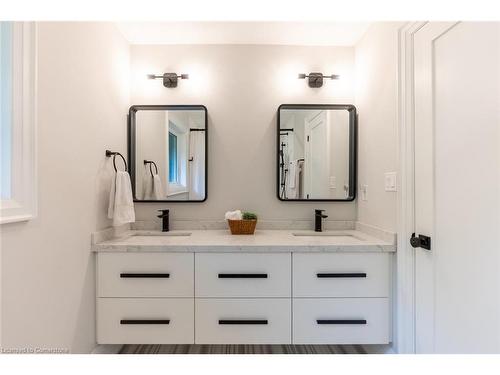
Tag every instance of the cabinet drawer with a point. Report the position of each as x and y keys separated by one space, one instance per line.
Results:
x=145 y=320
x=341 y=275
x=243 y=321
x=243 y=275
x=341 y=321
x=145 y=275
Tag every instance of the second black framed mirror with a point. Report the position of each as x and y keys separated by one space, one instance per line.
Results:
x=316 y=152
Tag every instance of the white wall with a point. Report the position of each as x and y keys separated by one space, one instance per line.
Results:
x=48 y=297
x=242 y=87
x=376 y=101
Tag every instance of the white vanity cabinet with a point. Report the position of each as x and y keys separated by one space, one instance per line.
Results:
x=243 y=321
x=243 y=297
x=340 y=321
x=341 y=298
x=145 y=298
x=145 y=275
x=145 y=320
x=231 y=275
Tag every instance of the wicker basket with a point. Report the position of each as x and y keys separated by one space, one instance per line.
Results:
x=242 y=226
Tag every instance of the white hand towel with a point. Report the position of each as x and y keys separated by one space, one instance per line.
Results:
x=292 y=171
x=292 y=183
x=147 y=186
x=121 y=203
x=146 y=183
x=233 y=215
x=157 y=188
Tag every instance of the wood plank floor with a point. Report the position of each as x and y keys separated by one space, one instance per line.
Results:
x=242 y=349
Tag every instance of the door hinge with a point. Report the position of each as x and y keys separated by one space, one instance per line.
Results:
x=307 y=138
x=421 y=241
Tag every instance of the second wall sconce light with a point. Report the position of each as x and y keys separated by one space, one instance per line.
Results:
x=316 y=79
x=169 y=79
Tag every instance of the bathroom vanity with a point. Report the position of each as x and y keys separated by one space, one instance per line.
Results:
x=276 y=287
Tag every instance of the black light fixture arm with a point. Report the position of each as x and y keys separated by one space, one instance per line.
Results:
x=316 y=79
x=331 y=76
x=181 y=76
x=169 y=79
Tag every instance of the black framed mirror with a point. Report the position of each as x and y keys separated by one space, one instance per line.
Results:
x=168 y=156
x=316 y=152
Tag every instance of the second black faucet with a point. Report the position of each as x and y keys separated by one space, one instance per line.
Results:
x=318 y=220
x=165 y=227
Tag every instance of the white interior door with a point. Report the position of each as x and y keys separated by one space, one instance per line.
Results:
x=316 y=156
x=457 y=187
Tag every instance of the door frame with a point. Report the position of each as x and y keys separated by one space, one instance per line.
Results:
x=405 y=260
x=308 y=127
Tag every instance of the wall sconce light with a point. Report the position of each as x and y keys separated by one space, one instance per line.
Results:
x=316 y=79
x=169 y=79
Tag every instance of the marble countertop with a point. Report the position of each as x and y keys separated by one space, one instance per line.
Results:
x=262 y=241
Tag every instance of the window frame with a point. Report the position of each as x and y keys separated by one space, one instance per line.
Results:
x=180 y=186
x=170 y=132
x=22 y=204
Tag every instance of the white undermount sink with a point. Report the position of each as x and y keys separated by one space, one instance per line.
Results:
x=161 y=234
x=326 y=234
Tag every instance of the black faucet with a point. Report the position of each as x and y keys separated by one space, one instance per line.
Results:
x=165 y=227
x=318 y=219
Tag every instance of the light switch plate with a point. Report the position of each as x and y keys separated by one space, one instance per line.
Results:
x=333 y=182
x=364 y=192
x=391 y=181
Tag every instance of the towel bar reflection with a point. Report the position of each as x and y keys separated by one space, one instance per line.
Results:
x=151 y=162
x=113 y=154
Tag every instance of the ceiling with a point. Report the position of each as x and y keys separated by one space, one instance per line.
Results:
x=274 y=33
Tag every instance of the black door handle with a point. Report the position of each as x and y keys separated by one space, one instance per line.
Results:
x=243 y=321
x=145 y=275
x=341 y=321
x=340 y=275
x=145 y=321
x=242 y=275
x=421 y=241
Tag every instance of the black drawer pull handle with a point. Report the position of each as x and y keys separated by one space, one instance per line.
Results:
x=243 y=321
x=145 y=321
x=341 y=321
x=242 y=275
x=339 y=275
x=144 y=275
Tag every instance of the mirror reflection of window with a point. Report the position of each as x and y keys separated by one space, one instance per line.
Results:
x=178 y=148
x=172 y=158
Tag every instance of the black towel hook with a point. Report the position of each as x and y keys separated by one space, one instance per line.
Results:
x=150 y=169
x=113 y=154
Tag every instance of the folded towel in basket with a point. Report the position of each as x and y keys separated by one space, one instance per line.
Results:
x=233 y=215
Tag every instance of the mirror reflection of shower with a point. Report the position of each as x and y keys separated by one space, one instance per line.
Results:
x=316 y=152
x=289 y=188
x=284 y=158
